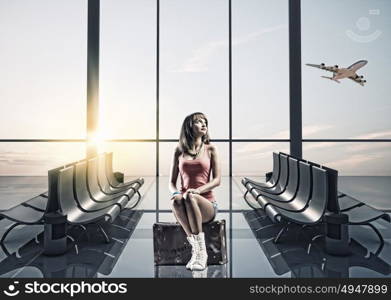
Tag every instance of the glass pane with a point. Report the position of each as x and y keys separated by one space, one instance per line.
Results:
x=132 y=159
x=255 y=159
x=128 y=69
x=35 y=159
x=193 y=64
x=251 y=160
x=43 y=69
x=351 y=159
x=260 y=66
x=136 y=160
x=346 y=110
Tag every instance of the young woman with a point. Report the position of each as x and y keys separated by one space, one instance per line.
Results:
x=195 y=160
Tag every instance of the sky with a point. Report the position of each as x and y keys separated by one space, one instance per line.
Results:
x=43 y=52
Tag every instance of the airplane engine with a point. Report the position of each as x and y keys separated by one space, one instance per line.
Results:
x=364 y=81
x=361 y=76
x=336 y=66
x=322 y=64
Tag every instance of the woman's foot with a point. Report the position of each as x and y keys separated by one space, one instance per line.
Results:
x=193 y=245
x=201 y=259
x=200 y=274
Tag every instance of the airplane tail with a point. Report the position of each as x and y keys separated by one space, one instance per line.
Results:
x=331 y=78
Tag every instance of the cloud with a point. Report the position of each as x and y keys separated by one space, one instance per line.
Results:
x=255 y=35
x=11 y=158
x=199 y=61
x=309 y=130
x=26 y=159
x=359 y=147
x=264 y=149
x=376 y=135
x=261 y=149
x=320 y=145
x=256 y=148
x=352 y=147
x=352 y=161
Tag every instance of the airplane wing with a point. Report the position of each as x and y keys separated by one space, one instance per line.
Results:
x=358 y=80
x=333 y=69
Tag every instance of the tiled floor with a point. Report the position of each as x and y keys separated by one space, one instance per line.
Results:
x=251 y=252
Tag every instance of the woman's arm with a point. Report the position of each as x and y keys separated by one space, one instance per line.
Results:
x=174 y=171
x=216 y=172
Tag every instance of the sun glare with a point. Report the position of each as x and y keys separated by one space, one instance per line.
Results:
x=97 y=140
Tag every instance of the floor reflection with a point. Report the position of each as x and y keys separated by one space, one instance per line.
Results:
x=87 y=256
x=296 y=253
x=215 y=271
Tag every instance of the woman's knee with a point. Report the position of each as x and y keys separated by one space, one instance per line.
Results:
x=189 y=199
x=176 y=203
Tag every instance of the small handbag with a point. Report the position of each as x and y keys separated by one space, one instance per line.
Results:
x=171 y=247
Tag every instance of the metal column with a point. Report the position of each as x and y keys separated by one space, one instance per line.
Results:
x=295 y=112
x=92 y=75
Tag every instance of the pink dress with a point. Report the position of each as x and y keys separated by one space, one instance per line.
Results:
x=196 y=172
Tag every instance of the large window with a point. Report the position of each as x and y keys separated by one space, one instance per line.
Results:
x=43 y=82
x=352 y=159
x=260 y=69
x=341 y=33
x=43 y=72
x=193 y=64
x=336 y=113
x=43 y=69
x=128 y=69
x=255 y=159
x=35 y=159
x=132 y=159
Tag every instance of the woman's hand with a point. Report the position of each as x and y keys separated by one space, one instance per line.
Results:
x=193 y=191
x=177 y=197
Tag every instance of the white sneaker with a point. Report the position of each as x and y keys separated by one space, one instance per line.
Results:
x=193 y=251
x=200 y=274
x=201 y=260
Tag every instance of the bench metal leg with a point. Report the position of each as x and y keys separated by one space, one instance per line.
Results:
x=137 y=202
x=380 y=238
x=73 y=241
x=248 y=203
x=280 y=233
x=85 y=231
x=313 y=240
x=103 y=232
x=5 y=250
x=323 y=265
x=8 y=231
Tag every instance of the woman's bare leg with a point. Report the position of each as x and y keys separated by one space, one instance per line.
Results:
x=199 y=210
x=179 y=210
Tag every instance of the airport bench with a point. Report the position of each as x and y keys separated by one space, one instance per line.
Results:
x=324 y=205
x=70 y=195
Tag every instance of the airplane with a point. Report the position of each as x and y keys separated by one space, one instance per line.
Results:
x=340 y=73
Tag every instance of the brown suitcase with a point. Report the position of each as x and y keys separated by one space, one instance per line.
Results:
x=171 y=247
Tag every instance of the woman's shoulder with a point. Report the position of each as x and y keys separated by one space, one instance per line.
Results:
x=177 y=150
x=212 y=148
